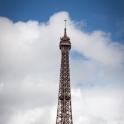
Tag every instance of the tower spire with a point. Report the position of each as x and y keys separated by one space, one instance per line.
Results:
x=65 y=35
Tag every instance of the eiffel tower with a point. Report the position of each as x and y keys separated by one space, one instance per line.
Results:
x=64 y=110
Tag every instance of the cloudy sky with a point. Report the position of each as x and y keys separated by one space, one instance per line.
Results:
x=30 y=32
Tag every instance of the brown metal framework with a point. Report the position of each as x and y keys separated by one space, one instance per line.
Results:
x=64 y=110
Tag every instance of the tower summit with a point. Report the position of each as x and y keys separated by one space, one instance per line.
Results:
x=64 y=110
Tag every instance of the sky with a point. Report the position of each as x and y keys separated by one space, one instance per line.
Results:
x=30 y=59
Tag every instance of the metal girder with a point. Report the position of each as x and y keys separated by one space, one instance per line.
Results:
x=64 y=110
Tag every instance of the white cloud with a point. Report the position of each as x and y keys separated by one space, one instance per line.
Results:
x=29 y=73
x=98 y=105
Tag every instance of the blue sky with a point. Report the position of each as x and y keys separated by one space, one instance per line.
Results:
x=30 y=58
x=106 y=15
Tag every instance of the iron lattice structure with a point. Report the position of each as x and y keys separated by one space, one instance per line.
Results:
x=64 y=110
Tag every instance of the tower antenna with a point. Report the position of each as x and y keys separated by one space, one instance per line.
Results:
x=65 y=29
x=65 y=23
